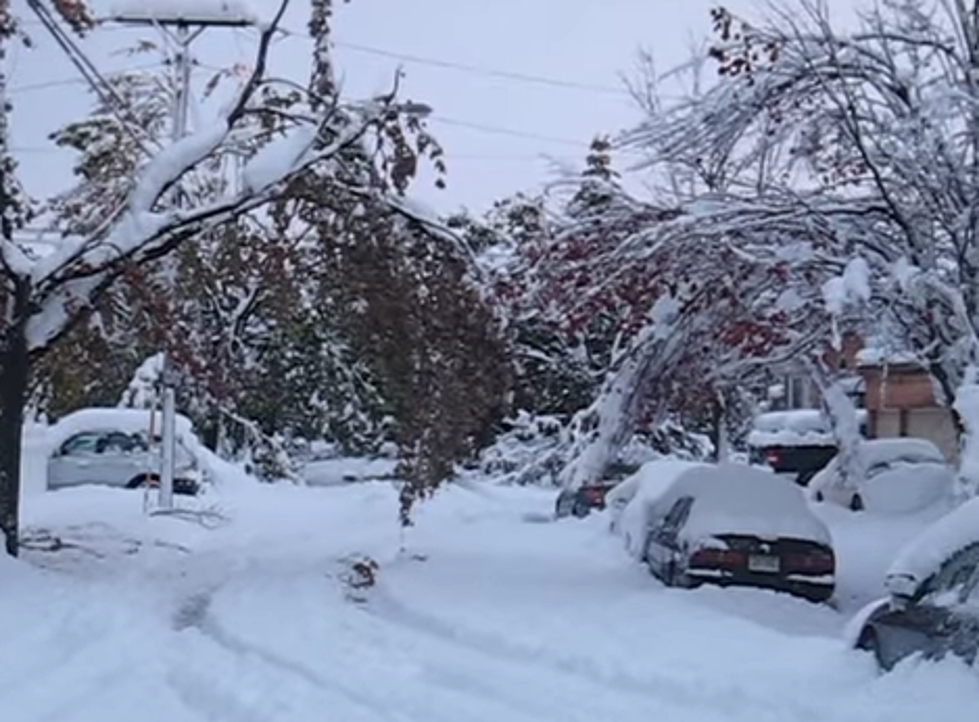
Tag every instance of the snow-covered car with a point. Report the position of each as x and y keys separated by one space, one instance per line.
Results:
x=114 y=447
x=733 y=525
x=589 y=497
x=933 y=607
x=796 y=443
x=627 y=502
x=900 y=476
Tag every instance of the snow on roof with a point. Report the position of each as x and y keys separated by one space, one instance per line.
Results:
x=799 y=427
x=880 y=356
x=925 y=554
x=736 y=499
x=213 y=12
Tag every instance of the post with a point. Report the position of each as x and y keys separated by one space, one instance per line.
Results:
x=168 y=438
x=182 y=68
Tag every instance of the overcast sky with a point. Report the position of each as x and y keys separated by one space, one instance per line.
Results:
x=518 y=86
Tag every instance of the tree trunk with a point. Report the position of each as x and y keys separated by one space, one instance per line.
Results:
x=14 y=379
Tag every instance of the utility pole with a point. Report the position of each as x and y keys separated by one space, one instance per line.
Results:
x=182 y=29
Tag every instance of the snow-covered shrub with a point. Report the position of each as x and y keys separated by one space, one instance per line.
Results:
x=534 y=449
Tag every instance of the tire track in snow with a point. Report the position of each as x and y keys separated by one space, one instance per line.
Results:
x=695 y=694
x=194 y=615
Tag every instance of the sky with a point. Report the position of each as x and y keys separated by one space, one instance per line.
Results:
x=518 y=87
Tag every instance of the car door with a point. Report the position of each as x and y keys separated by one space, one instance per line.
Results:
x=71 y=464
x=945 y=619
x=662 y=546
x=962 y=626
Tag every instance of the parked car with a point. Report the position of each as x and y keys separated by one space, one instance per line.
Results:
x=796 y=443
x=732 y=525
x=589 y=497
x=104 y=447
x=899 y=476
x=933 y=603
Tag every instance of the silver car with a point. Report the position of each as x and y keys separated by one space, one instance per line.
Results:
x=116 y=458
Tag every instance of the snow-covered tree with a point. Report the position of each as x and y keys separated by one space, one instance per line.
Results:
x=875 y=128
x=44 y=299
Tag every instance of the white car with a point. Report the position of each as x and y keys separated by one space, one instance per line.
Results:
x=104 y=447
x=901 y=476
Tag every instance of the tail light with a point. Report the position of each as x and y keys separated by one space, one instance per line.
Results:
x=816 y=562
x=772 y=458
x=594 y=495
x=725 y=558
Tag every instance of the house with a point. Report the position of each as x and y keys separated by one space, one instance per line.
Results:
x=900 y=399
x=895 y=391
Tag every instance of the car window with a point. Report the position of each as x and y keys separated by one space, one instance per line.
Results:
x=84 y=443
x=955 y=581
x=678 y=514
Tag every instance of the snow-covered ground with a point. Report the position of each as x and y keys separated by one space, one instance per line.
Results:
x=486 y=616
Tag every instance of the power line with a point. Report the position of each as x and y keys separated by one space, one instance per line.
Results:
x=482 y=70
x=512 y=132
x=75 y=80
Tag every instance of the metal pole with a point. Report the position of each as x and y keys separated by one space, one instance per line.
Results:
x=182 y=68
x=183 y=38
x=168 y=442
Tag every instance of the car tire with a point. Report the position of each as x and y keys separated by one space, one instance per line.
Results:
x=856 y=503
x=819 y=497
x=579 y=510
x=143 y=481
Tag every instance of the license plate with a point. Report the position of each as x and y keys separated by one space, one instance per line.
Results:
x=759 y=563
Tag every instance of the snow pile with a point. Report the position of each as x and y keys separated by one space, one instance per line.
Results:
x=924 y=555
x=229 y=12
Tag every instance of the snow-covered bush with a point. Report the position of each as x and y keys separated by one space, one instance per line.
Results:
x=534 y=449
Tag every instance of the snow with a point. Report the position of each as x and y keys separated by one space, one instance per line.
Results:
x=850 y=288
x=798 y=427
x=924 y=554
x=900 y=476
x=484 y=618
x=331 y=472
x=734 y=499
x=276 y=159
x=967 y=406
x=194 y=11
x=629 y=501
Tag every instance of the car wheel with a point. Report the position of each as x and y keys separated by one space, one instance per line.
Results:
x=143 y=481
x=579 y=510
x=818 y=496
x=856 y=503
